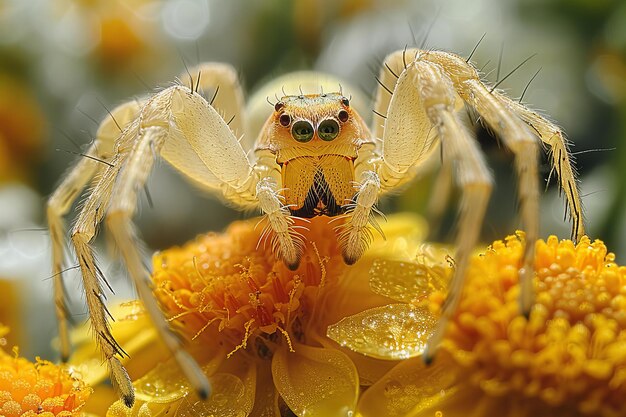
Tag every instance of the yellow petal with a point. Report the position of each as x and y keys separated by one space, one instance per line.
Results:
x=352 y=294
x=165 y=391
x=265 y=399
x=164 y=384
x=229 y=399
x=103 y=396
x=133 y=331
x=118 y=409
x=316 y=381
x=142 y=409
x=88 y=362
x=407 y=281
x=402 y=225
x=156 y=410
x=408 y=389
x=370 y=369
x=394 y=331
x=245 y=370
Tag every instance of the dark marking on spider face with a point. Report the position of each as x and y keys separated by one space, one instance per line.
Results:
x=319 y=201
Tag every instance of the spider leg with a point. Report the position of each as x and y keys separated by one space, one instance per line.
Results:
x=407 y=142
x=83 y=232
x=221 y=81
x=287 y=243
x=408 y=136
x=561 y=160
x=422 y=109
x=438 y=95
x=181 y=126
x=354 y=234
x=92 y=164
x=517 y=136
x=439 y=199
x=119 y=222
x=219 y=84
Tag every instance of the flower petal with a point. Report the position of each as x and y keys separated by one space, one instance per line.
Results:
x=118 y=409
x=370 y=369
x=404 y=225
x=352 y=293
x=394 y=331
x=316 y=381
x=164 y=384
x=408 y=389
x=265 y=399
x=133 y=331
x=245 y=370
x=407 y=281
x=164 y=391
x=229 y=399
x=141 y=409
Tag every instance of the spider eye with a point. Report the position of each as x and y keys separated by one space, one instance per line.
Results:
x=302 y=131
x=279 y=105
x=343 y=116
x=345 y=101
x=328 y=129
x=284 y=120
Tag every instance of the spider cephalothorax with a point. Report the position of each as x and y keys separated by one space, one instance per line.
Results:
x=313 y=156
x=315 y=139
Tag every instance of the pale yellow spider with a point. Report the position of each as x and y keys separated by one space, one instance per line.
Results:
x=314 y=155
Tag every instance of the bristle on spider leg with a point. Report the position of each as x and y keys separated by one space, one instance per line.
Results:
x=475 y=47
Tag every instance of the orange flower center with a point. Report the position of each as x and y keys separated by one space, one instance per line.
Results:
x=233 y=283
x=571 y=352
x=40 y=388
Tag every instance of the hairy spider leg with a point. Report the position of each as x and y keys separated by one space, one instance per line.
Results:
x=90 y=166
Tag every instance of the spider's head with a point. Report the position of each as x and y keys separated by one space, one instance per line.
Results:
x=315 y=139
x=314 y=125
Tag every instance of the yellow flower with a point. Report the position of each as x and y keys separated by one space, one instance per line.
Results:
x=133 y=330
x=43 y=389
x=568 y=358
x=117 y=35
x=22 y=129
x=10 y=314
x=257 y=329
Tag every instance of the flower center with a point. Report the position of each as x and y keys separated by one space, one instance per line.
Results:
x=566 y=353
x=233 y=284
x=28 y=388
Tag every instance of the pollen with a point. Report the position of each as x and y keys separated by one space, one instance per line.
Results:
x=233 y=283
x=40 y=388
x=569 y=356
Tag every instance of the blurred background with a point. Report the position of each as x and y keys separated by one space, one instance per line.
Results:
x=63 y=63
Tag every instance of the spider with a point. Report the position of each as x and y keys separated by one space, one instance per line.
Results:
x=313 y=156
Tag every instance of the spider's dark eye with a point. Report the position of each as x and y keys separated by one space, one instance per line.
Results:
x=284 y=120
x=343 y=116
x=345 y=101
x=302 y=131
x=279 y=105
x=328 y=129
